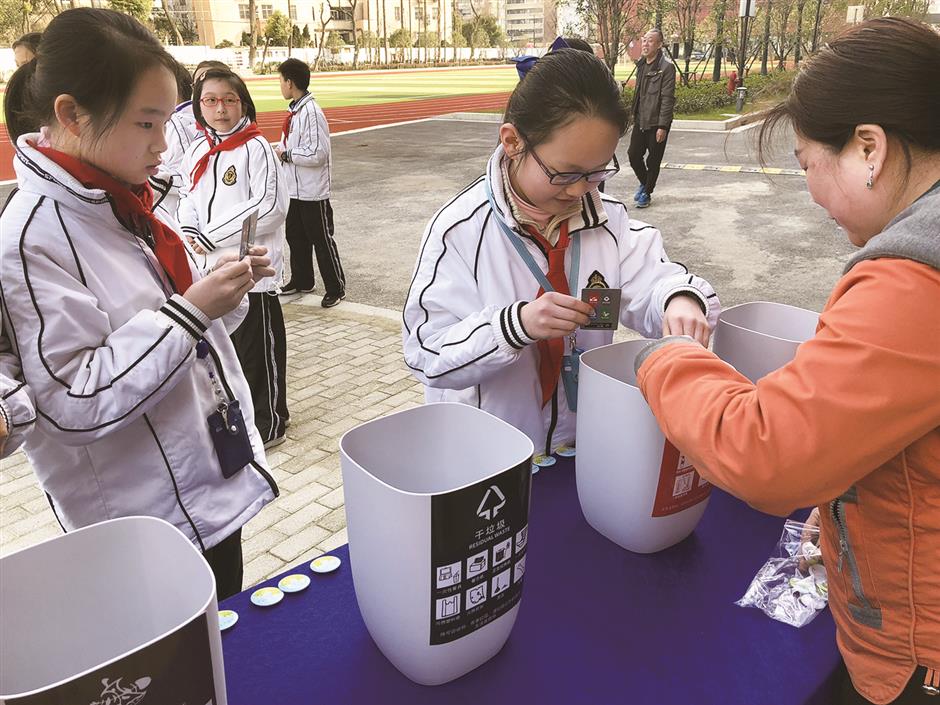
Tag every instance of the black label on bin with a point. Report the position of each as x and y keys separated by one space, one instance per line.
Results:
x=176 y=670
x=478 y=550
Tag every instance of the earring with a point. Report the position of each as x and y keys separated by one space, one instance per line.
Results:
x=871 y=177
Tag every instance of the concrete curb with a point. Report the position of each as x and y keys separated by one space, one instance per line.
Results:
x=344 y=309
x=717 y=125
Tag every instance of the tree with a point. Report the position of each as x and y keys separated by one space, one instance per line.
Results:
x=276 y=32
x=457 y=38
x=323 y=19
x=385 y=31
x=305 y=36
x=687 y=12
x=166 y=17
x=401 y=39
x=721 y=10
x=765 y=42
x=253 y=28
x=616 y=21
x=355 y=32
x=138 y=9
x=295 y=38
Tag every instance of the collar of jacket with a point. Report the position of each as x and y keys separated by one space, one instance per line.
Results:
x=591 y=215
x=36 y=173
x=219 y=136
x=296 y=105
x=911 y=235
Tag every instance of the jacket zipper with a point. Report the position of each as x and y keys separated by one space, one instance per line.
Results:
x=836 y=508
x=228 y=390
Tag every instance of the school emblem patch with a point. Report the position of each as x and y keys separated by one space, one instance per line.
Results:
x=596 y=281
x=229 y=177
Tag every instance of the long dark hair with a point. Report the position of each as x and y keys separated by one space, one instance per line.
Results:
x=884 y=71
x=560 y=87
x=237 y=84
x=94 y=55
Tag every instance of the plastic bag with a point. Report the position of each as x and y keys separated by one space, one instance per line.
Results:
x=783 y=589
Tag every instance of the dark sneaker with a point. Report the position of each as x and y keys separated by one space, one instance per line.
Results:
x=644 y=200
x=290 y=288
x=274 y=442
x=640 y=191
x=329 y=301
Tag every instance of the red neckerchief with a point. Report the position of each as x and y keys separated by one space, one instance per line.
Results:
x=551 y=351
x=229 y=143
x=134 y=206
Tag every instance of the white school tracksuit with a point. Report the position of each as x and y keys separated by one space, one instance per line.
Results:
x=108 y=353
x=180 y=132
x=307 y=166
x=462 y=332
x=236 y=183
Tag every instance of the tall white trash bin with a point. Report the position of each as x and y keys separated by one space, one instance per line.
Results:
x=119 y=612
x=437 y=503
x=634 y=486
x=758 y=337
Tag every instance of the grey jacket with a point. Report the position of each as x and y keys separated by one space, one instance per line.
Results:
x=655 y=96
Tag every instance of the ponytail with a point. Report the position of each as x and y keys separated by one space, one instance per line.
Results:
x=17 y=105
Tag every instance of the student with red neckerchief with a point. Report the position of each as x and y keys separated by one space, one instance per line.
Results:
x=232 y=173
x=120 y=336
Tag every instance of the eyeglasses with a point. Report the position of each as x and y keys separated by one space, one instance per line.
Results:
x=566 y=178
x=228 y=102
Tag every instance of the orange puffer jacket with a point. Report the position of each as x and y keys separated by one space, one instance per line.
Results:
x=852 y=424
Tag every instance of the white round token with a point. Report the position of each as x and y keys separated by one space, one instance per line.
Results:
x=294 y=583
x=227 y=619
x=266 y=596
x=325 y=564
x=544 y=461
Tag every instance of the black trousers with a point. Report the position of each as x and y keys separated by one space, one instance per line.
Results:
x=310 y=230
x=225 y=559
x=913 y=693
x=646 y=167
x=261 y=344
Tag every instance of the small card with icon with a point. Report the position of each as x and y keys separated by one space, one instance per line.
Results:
x=606 y=303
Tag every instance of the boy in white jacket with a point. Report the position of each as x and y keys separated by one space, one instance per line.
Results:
x=304 y=150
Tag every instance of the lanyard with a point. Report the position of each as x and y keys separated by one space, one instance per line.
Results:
x=526 y=256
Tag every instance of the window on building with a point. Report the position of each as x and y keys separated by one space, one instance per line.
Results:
x=266 y=11
x=342 y=14
x=243 y=12
x=398 y=14
x=293 y=12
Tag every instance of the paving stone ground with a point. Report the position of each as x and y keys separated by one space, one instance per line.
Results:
x=344 y=367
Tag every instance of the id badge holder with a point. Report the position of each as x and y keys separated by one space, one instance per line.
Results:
x=226 y=424
x=569 y=373
x=230 y=438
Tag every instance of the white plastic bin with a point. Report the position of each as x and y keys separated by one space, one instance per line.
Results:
x=635 y=488
x=437 y=501
x=123 y=611
x=758 y=337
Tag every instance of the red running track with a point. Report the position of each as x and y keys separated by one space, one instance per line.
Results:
x=340 y=119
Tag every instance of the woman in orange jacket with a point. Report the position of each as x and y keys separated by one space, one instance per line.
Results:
x=852 y=424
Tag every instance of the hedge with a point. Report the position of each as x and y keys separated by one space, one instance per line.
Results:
x=706 y=96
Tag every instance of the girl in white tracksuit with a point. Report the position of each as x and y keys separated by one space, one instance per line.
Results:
x=477 y=327
x=120 y=337
x=232 y=172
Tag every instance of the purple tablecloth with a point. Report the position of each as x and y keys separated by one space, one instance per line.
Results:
x=597 y=624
